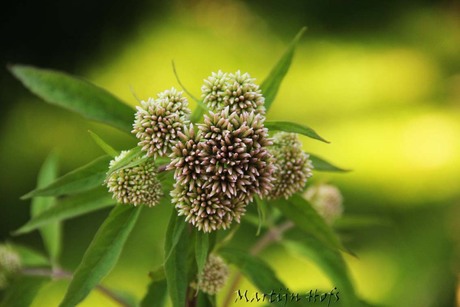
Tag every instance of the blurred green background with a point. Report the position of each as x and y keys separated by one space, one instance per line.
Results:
x=379 y=79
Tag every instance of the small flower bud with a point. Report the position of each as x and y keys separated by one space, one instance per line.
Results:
x=292 y=165
x=214 y=275
x=157 y=122
x=136 y=185
x=326 y=199
x=10 y=264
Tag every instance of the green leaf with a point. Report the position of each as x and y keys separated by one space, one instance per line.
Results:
x=156 y=294
x=306 y=218
x=205 y=300
x=103 y=145
x=272 y=82
x=329 y=260
x=70 y=207
x=29 y=257
x=320 y=164
x=176 y=227
x=51 y=233
x=295 y=128
x=176 y=260
x=201 y=249
x=257 y=271
x=129 y=160
x=82 y=179
x=23 y=291
x=75 y=94
x=102 y=254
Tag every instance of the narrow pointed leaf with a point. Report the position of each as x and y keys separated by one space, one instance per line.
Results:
x=272 y=82
x=176 y=228
x=156 y=294
x=205 y=300
x=103 y=145
x=254 y=269
x=295 y=128
x=306 y=218
x=23 y=291
x=102 y=254
x=129 y=160
x=75 y=94
x=70 y=207
x=30 y=257
x=329 y=260
x=51 y=233
x=201 y=249
x=322 y=165
x=176 y=263
x=82 y=179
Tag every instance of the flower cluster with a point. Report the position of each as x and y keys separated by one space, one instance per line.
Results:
x=292 y=164
x=213 y=277
x=220 y=168
x=327 y=201
x=158 y=121
x=236 y=91
x=135 y=185
x=10 y=264
x=220 y=164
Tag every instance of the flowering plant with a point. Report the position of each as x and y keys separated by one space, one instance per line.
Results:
x=211 y=164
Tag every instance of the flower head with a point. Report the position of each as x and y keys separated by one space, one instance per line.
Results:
x=206 y=211
x=185 y=159
x=236 y=91
x=219 y=169
x=234 y=154
x=10 y=264
x=327 y=201
x=214 y=275
x=293 y=167
x=213 y=90
x=157 y=122
x=135 y=185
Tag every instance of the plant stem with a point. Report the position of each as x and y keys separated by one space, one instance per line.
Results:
x=62 y=274
x=273 y=235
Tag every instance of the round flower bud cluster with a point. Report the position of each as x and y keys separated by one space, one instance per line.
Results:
x=293 y=167
x=214 y=275
x=219 y=169
x=10 y=264
x=236 y=91
x=136 y=185
x=326 y=199
x=157 y=122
